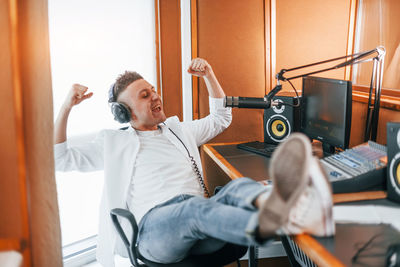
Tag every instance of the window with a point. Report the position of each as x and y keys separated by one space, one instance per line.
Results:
x=378 y=24
x=91 y=43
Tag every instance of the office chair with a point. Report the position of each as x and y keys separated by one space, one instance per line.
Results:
x=227 y=254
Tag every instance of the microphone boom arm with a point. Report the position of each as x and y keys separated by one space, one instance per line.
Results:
x=357 y=58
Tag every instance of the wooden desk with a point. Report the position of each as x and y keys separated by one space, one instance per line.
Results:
x=239 y=163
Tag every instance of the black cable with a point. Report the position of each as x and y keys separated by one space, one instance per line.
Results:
x=297 y=99
x=194 y=165
x=297 y=95
x=364 y=247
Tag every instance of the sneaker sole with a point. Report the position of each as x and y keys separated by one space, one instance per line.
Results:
x=290 y=176
x=324 y=190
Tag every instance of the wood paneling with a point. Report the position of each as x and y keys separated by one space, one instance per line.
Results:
x=38 y=132
x=28 y=199
x=157 y=39
x=10 y=193
x=311 y=31
x=351 y=35
x=379 y=26
x=195 y=79
x=171 y=69
x=358 y=122
x=10 y=244
x=231 y=37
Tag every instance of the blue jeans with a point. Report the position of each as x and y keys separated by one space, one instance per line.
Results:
x=189 y=224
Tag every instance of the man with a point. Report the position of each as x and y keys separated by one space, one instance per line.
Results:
x=154 y=169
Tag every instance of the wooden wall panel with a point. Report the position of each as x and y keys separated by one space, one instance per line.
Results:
x=38 y=130
x=358 y=123
x=379 y=26
x=10 y=203
x=171 y=70
x=231 y=37
x=359 y=115
x=310 y=31
x=28 y=198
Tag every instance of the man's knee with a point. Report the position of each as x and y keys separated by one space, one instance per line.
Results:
x=235 y=185
x=241 y=181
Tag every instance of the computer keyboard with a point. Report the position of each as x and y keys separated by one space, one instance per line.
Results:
x=257 y=147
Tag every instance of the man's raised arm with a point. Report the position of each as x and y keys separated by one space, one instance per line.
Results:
x=75 y=96
x=200 y=67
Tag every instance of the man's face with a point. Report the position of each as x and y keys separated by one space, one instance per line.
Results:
x=145 y=104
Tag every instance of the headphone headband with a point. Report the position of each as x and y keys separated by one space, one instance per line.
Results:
x=111 y=94
x=120 y=111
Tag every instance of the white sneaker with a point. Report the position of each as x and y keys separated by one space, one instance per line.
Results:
x=312 y=213
x=301 y=197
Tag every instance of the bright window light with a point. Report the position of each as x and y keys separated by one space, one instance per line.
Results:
x=91 y=43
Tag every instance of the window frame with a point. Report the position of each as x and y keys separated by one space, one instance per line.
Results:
x=80 y=252
x=390 y=97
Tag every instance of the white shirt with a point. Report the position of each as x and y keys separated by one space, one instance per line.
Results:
x=161 y=172
x=115 y=152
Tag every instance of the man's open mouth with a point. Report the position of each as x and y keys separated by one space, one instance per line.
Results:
x=156 y=108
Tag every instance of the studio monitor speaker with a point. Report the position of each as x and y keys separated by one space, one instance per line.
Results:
x=393 y=167
x=281 y=121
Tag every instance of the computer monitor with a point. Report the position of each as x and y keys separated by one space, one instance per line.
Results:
x=326 y=111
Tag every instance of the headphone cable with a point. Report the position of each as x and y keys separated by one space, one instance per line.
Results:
x=194 y=165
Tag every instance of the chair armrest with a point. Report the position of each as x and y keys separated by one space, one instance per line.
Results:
x=131 y=219
x=130 y=246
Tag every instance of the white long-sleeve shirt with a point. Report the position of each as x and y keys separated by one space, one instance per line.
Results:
x=116 y=151
x=161 y=172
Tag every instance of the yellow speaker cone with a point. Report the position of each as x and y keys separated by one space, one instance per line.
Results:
x=278 y=128
x=398 y=173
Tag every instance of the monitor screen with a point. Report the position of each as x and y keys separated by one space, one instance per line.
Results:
x=326 y=110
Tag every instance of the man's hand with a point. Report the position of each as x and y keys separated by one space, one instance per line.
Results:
x=76 y=95
x=200 y=67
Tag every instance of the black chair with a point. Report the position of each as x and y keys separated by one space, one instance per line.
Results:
x=227 y=254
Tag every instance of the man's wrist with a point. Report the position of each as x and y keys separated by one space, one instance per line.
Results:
x=209 y=74
x=65 y=108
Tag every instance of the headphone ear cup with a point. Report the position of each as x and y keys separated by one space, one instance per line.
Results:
x=121 y=112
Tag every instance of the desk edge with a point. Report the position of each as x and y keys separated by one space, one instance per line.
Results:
x=231 y=171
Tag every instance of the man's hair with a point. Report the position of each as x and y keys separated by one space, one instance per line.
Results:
x=123 y=81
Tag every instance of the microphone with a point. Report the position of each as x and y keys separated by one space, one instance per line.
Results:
x=253 y=102
x=246 y=102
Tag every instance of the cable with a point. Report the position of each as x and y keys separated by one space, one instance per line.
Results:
x=297 y=95
x=194 y=165
x=297 y=98
x=364 y=247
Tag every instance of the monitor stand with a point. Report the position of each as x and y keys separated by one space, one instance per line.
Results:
x=328 y=149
